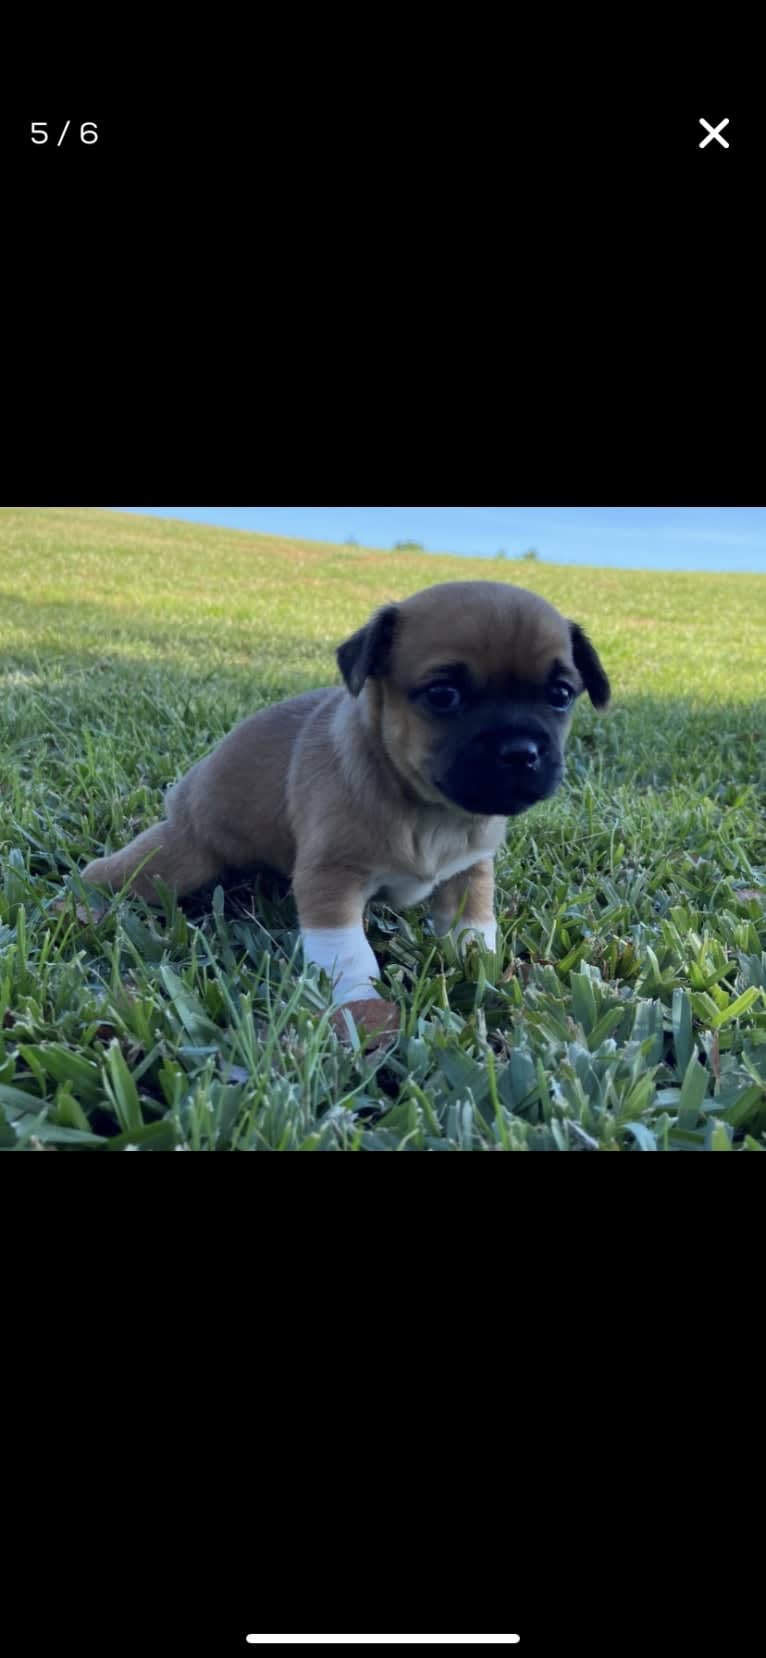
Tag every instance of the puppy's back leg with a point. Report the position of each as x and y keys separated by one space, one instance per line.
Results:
x=176 y=856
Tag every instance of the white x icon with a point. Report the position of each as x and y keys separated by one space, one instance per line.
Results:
x=714 y=132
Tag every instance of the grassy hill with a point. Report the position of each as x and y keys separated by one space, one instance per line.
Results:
x=629 y=1012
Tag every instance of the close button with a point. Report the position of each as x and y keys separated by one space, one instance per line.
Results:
x=714 y=133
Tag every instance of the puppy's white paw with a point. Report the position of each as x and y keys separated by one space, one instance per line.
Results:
x=344 y=954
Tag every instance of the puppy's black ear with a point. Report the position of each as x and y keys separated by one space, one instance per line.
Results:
x=367 y=653
x=588 y=665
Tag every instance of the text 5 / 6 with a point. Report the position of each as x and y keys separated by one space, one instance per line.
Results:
x=88 y=133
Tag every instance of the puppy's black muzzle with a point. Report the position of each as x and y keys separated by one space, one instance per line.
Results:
x=502 y=771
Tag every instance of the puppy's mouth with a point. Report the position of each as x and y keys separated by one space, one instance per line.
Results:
x=504 y=784
x=488 y=801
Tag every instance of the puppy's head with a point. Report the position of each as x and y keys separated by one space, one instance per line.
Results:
x=470 y=688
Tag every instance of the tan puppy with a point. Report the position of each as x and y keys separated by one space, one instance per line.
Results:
x=453 y=717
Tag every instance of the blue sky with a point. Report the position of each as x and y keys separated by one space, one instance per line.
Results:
x=636 y=538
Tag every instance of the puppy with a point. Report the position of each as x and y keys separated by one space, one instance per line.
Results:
x=452 y=718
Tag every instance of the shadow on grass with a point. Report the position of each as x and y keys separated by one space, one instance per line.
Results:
x=667 y=742
x=158 y=716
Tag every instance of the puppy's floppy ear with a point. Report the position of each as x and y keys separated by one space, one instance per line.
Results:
x=588 y=665
x=367 y=653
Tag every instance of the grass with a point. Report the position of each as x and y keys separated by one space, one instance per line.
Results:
x=628 y=1009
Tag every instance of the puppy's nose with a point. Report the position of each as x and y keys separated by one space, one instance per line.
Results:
x=523 y=752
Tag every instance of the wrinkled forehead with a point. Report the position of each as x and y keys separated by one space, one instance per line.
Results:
x=499 y=636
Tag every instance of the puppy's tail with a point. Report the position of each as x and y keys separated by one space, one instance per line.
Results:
x=163 y=850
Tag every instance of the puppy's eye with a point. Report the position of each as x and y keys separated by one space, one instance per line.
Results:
x=444 y=699
x=560 y=696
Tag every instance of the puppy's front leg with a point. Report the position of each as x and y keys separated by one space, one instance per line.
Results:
x=475 y=916
x=331 y=916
